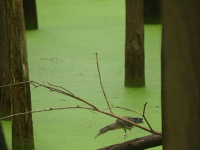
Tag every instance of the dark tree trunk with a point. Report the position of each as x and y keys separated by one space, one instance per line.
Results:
x=30 y=14
x=181 y=75
x=22 y=129
x=5 y=96
x=2 y=140
x=134 y=48
x=152 y=11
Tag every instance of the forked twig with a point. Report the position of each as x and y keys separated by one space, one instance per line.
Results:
x=143 y=115
x=102 y=84
x=62 y=92
x=61 y=88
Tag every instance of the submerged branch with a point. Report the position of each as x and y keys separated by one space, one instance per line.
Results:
x=137 y=144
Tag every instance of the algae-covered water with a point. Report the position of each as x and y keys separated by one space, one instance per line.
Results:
x=61 y=52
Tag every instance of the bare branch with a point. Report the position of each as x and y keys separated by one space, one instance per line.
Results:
x=102 y=84
x=146 y=118
x=144 y=108
x=137 y=125
x=68 y=93
x=43 y=110
x=94 y=117
x=61 y=88
x=137 y=144
x=93 y=108
x=127 y=109
x=2 y=86
x=142 y=114
x=87 y=126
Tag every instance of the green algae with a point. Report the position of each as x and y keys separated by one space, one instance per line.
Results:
x=61 y=52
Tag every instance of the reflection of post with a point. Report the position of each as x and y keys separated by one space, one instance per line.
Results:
x=30 y=14
x=134 y=48
x=22 y=129
x=2 y=141
x=5 y=97
x=181 y=75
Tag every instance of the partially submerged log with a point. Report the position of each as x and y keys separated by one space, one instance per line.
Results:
x=137 y=144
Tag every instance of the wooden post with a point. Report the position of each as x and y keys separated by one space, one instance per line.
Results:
x=22 y=128
x=181 y=75
x=134 y=48
x=5 y=96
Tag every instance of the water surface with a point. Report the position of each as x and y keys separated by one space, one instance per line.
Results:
x=61 y=52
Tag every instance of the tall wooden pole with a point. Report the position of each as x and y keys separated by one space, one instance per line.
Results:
x=134 y=48
x=181 y=75
x=5 y=97
x=22 y=128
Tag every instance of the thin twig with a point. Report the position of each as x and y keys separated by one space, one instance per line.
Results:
x=93 y=118
x=93 y=112
x=145 y=118
x=144 y=108
x=14 y=84
x=87 y=126
x=102 y=84
x=128 y=121
x=61 y=88
x=142 y=114
x=37 y=84
x=43 y=110
x=127 y=109
x=65 y=93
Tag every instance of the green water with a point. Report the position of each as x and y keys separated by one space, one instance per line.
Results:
x=61 y=52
